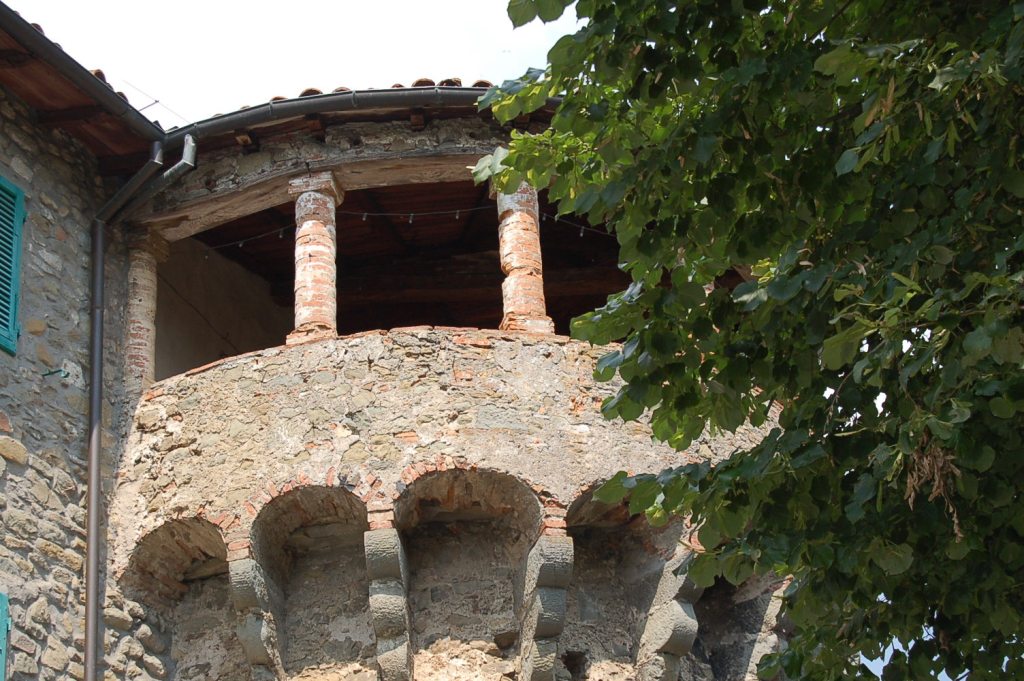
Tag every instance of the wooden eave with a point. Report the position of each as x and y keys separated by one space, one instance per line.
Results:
x=58 y=102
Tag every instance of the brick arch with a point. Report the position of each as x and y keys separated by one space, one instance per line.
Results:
x=469 y=494
x=285 y=523
x=586 y=510
x=171 y=555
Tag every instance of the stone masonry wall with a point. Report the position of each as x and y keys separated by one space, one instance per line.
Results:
x=473 y=445
x=43 y=399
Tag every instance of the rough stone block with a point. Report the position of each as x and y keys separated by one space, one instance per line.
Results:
x=394 y=657
x=13 y=450
x=385 y=556
x=549 y=605
x=388 y=608
x=256 y=635
x=541 y=660
x=660 y=667
x=252 y=587
x=671 y=628
x=550 y=562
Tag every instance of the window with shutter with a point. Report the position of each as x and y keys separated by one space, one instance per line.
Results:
x=5 y=634
x=12 y=215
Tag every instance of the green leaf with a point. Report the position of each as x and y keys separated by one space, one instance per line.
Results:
x=522 y=12
x=833 y=62
x=737 y=569
x=784 y=288
x=703 y=571
x=613 y=491
x=690 y=293
x=607 y=365
x=704 y=148
x=839 y=350
x=1013 y=181
x=482 y=169
x=978 y=343
x=957 y=550
x=847 y=161
x=1008 y=347
x=1002 y=408
x=895 y=559
x=643 y=496
x=862 y=492
x=549 y=10
x=809 y=456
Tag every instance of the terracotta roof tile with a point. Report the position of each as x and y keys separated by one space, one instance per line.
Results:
x=100 y=76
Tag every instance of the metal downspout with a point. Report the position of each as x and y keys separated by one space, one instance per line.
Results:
x=93 y=633
x=186 y=164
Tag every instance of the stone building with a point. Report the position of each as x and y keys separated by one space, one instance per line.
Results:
x=340 y=431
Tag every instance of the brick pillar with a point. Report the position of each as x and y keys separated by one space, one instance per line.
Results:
x=316 y=268
x=145 y=251
x=522 y=292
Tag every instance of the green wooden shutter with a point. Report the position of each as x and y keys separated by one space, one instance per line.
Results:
x=12 y=215
x=5 y=634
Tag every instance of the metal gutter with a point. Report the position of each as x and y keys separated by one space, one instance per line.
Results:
x=334 y=102
x=44 y=49
x=94 y=502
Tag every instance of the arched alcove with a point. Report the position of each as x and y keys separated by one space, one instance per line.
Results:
x=467 y=534
x=310 y=541
x=178 y=573
x=619 y=564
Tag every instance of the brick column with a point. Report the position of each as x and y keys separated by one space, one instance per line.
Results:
x=522 y=292
x=145 y=250
x=316 y=268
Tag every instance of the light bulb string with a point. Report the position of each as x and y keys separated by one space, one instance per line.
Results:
x=280 y=231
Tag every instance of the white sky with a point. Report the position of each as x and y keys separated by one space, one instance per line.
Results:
x=203 y=57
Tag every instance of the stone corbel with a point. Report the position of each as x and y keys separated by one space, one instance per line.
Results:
x=547 y=575
x=389 y=606
x=258 y=601
x=670 y=627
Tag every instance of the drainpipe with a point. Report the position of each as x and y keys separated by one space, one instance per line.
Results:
x=93 y=632
x=186 y=164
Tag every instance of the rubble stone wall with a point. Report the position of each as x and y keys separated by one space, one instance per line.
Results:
x=43 y=393
x=469 y=447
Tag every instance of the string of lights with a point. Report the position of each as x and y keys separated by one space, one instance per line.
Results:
x=280 y=231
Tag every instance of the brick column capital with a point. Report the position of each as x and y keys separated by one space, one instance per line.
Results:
x=522 y=200
x=321 y=183
x=149 y=241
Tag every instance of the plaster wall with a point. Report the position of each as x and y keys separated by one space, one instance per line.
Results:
x=209 y=307
x=43 y=398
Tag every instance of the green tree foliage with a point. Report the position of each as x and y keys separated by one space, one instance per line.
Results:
x=861 y=160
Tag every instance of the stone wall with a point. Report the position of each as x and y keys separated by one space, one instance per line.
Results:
x=466 y=456
x=43 y=398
